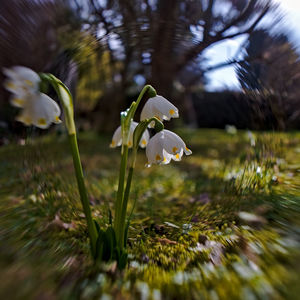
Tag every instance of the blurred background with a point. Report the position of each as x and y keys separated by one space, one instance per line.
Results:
x=221 y=62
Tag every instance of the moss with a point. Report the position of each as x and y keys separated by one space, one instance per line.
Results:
x=221 y=224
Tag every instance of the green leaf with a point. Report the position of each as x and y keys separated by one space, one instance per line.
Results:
x=109 y=217
x=100 y=245
x=97 y=225
x=116 y=253
x=122 y=262
x=110 y=230
x=107 y=247
x=126 y=233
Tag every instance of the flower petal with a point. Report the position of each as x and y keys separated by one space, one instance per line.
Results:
x=21 y=81
x=45 y=111
x=177 y=156
x=20 y=73
x=40 y=111
x=154 y=150
x=172 y=142
x=116 y=139
x=145 y=139
x=18 y=101
x=160 y=108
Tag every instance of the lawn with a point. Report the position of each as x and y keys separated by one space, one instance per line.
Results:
x=221 y=224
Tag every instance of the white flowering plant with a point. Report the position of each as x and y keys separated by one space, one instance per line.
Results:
x=161 y=148
x=39 y=110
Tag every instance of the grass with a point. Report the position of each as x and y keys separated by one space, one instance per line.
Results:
x=221 y=224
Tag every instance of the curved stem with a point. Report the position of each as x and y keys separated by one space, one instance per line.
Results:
x=140 y=97
x=67 y=102
x=83 y=193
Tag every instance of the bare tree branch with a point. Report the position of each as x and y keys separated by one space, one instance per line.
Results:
x=249 y=29
x=240 y=17
x=208 y=20
x=201 y=46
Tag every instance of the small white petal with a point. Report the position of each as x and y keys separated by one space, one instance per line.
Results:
x=173 y=143
x=16 y=88
x=18 y=101
x=166 y=157
x=116 y=139
x=21 y=81
x=177 y=156
x=20 y=73
x=154 y=151
x=165 y=107
x=25 y=118
x=145 y=139
x=187 y=151
x=160 y=108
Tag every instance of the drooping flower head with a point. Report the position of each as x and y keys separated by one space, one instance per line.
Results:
x=160 y=108
x=164 y=146
x=117 y=137
x=37 y=108
x=21 y=81
x=40 y=110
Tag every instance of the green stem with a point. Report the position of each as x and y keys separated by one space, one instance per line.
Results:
x=83 y=193
x=120 y=195
x=124 y=206
x=126 y=198
x=141 y=95
x=67 y=102
x=121 y=206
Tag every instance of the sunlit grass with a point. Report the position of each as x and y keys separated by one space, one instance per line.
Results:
x=222 y=223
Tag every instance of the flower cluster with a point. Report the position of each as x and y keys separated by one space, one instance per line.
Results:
x=164 y=145
x=38 y=109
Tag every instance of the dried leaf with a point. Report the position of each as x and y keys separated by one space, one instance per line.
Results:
x=166 y=241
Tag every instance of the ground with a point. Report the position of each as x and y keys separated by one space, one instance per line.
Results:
x=221 y=224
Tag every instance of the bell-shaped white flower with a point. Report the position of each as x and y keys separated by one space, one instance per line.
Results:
x=160 y=108
x=117 y=137
x=39 y=110
x=21 y=81
x=164 y=146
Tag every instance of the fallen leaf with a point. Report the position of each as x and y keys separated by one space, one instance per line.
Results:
x=166 y=241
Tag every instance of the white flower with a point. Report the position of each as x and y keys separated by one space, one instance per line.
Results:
x=39 y=110
x=258 y=171
x=164 y=146
x=251 y=137
x=231 y=129
x=160 y=108
x=117 y=137
x=21 y=81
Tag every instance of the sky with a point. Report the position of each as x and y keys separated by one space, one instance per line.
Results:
x=225 y=77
